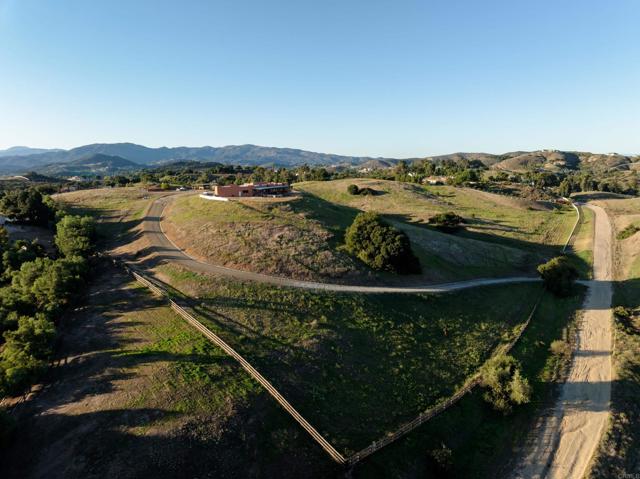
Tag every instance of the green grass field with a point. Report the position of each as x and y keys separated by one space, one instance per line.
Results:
x=357 y=366
x=480 y=441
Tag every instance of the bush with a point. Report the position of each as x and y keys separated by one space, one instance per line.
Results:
x=505 y=385
x=380 y=245
x=628 y=232
x=353 y=189
x=621 y=312
x=558 y=275
x=446 y=221
x=560 y=348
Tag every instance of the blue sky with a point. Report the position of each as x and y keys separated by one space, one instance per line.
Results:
x=381 y=78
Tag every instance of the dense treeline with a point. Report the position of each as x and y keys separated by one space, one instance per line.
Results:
x=36 y=287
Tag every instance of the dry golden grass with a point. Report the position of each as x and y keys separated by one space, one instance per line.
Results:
x=257 y=235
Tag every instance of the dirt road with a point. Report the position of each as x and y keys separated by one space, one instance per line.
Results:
x=169 y=251
x=567 y=439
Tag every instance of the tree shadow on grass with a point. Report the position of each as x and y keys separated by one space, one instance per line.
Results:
x=336 y=218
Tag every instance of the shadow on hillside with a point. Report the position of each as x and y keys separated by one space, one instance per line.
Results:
x=129 y=443
x=111 y=232
x=336 y=218
x=94 y=366
x=93 y=349
x=598 y=195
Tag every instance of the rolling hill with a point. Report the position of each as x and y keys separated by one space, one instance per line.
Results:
x=96 y=164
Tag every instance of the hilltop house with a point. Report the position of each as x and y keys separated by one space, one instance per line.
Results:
x=251 y=189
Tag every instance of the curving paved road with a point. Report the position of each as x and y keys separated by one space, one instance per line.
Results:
x=566 y=440
x=152 y=228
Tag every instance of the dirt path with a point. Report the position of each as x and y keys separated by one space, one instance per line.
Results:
x=169 y=251
x=567 y=439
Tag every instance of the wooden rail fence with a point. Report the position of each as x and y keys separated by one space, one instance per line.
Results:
x=335 y=455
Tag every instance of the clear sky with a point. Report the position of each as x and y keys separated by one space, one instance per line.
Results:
x=382 y=78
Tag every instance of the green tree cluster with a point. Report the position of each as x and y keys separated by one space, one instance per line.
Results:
x=380 y=245
x=27 y=206
x=448 y=221
x=558 y=275
x=505 y=386
x=34 y=291
x=75 y=236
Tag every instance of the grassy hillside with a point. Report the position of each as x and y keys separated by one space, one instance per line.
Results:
x=301 y=237
x=267 y=236
x=357 y=365
x=491 y=217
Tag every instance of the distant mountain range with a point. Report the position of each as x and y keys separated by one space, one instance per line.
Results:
x=24 y=151
x=96 y=164
x=249 y=155
x=109 y=158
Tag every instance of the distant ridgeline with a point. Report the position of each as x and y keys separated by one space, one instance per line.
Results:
x=101 y=160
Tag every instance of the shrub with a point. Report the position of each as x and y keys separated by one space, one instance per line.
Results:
x=560 y=348
x=558 y=275
x=448 y=221
x=380 y=245
x=505 y=385
x=628 y=232
x=621 y=312
x=353 y=189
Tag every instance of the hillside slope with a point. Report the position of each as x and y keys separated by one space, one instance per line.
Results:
x=90 y=165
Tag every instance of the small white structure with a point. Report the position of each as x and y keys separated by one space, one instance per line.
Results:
x=208 y=195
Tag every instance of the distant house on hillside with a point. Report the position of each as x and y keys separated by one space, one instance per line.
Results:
x=251 y=189
x=435 y=180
